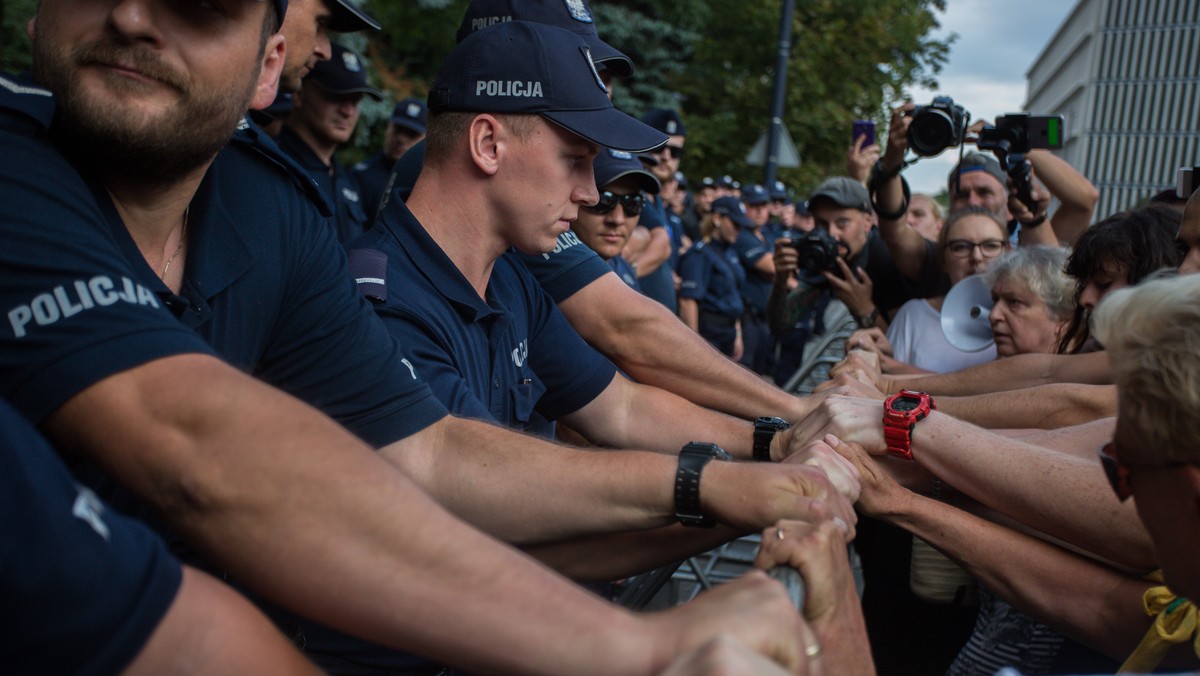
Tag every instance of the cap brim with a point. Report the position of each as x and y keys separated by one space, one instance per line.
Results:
x=368 y=91
x=346 y=17
x=408 y=124
x=646 y=180
x=609 y=127
x=606 y=56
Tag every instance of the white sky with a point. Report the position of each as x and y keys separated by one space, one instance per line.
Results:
x=998 y=40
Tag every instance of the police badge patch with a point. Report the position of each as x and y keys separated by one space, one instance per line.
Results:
x=578 y=10
x=350 y=61
x=587 y=53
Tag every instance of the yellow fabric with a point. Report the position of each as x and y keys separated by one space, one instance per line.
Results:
x=1175 y=621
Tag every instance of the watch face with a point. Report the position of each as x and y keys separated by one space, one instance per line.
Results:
x=905 y=404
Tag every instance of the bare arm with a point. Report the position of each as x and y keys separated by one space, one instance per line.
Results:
x=689 y=313
x=1011 y=373
x=906 y=245
x=657 y=251
x=1076 y=195
x=650 y=344
x=1044 y=407
x=1077 y=596
x=1058 y=493
x=210 y=629
x=286 y=500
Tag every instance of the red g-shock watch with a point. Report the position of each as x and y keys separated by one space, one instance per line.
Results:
x=901 y=411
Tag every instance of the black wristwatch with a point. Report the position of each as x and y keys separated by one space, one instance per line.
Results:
x=692 y=460
x=868 y=320
x=765 y=429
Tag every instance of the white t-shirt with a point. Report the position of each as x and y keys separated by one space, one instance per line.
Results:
x=917 y=339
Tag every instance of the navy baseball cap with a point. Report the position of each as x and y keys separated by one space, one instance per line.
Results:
x=755 y=194
x=707 y=182
x=611 y=165
x=682 y=180
x=778 y=192
x=347 y=17
x=571 y=15
x=411 y=114
x=725 y=181
x=665 y=120
x=733 y=208
x=518 y=67
x=342 y=73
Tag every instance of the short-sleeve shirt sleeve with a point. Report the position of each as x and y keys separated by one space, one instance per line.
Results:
x=571 y=266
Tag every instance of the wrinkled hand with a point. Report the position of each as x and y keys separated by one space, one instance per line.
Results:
x=753 y=609
x=860 y=158
x=842 y=475
x=752 y=495
x=852 y=288
x=881 y=494
x=849 y=419
x=871 y=340
x=831 y=603
x=861 y=364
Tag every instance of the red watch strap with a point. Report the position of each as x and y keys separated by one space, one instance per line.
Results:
x=898 y=438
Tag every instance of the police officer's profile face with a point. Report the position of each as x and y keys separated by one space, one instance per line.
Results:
x=668 y=159
x=157 y=83
x=542 y=179
x=329 y=117
x=980 y=189
x=307 y=40
x=606 y=226
x=847 y=225
x=397 y=139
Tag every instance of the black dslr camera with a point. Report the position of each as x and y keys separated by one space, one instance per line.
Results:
x=937 y=126
x=1015 y=134
x=817 y=251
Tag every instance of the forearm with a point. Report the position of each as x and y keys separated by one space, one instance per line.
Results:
x=1059 y=494
x=1077 y=195
x=1083 y=599
x=689 y=314
x=1010 y=373
x=651 y=345
x=657 y=251
x=286 y=500
x=1044 y=407
x=548 y=492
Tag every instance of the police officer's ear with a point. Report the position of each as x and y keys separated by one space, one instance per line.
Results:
x=486 y=142
x=268 y=76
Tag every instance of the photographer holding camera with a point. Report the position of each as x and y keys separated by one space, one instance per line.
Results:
x=979 y=179
x=844 y=254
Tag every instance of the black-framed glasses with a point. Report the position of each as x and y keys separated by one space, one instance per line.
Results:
x=631 y=204
x=675 y=151
x=961 y=248
x=1120 y=473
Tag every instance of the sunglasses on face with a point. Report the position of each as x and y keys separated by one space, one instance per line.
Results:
x=1119 y=473
x=631 y=204
x=961 y=248
x=676 y=152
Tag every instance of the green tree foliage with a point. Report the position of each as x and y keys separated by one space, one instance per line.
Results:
x=14 y=45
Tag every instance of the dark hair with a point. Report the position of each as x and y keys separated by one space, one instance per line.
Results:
x=1139 y=242
x=446 y=129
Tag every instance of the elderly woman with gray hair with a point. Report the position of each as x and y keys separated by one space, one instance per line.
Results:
x=1034 y=299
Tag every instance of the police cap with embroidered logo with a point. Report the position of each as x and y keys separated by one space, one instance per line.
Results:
x=521 y=67
x=733 y=208
x=343 y=73
x=411 y=114
x=611 y=165
x=754 y=195
x=347 y=17
x=571 y=15
x=665 y=120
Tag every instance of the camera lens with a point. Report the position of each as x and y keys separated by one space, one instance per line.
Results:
x=931 y=132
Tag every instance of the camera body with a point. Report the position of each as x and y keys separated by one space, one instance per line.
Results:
x=937 y=126
x=1021 y=132
x=817 y=251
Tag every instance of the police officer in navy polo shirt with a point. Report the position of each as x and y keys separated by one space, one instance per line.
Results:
x=754 y=249
x=656 y=265
x=86 y=590
x=405 y=129
x=605 y=227
x=324 y=116
x=710 y=293
x=127 y=269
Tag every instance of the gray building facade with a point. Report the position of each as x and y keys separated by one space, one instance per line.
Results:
x=1126 y=76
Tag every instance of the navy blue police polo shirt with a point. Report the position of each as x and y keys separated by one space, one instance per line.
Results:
x=501 y=359
x=660 y=284
x=372 y=175
x=265 y=288
x=83 y=587
x=712 y=276
x=625 y=271
x=340 y=186
x=757 y=289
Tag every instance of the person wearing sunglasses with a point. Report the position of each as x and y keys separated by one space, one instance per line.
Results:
x=606 y=225
x=710 y=300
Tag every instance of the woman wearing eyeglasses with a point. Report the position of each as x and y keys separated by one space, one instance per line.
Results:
x=710 y=300
x=969 y=241
x=606 y=226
